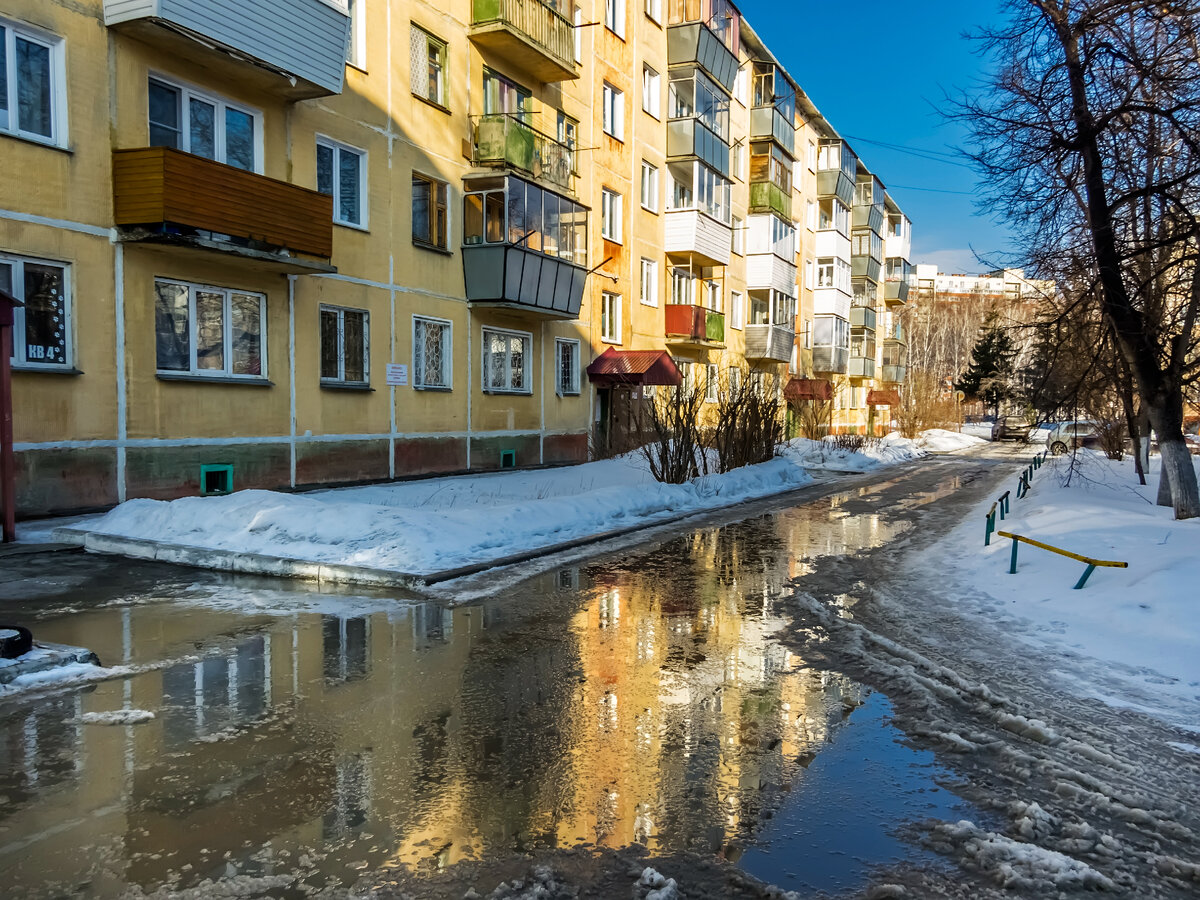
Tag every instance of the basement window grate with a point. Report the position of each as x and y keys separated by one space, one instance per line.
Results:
x=216 y=480
x=508 y=459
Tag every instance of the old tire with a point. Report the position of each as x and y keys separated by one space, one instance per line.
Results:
x=14 y=641
x=1058 y=448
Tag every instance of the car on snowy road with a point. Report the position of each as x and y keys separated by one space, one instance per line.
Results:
x=1068 y=436
x=1011 y=428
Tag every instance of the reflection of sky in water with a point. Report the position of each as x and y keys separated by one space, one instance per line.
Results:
x=644 y=700
x=840 y=819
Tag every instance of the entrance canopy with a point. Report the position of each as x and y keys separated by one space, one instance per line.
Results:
x=883 y=398
x=801 y=389
x=640 y=367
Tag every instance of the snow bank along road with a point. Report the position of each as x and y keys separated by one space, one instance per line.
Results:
x=415 y=529
x=1091 y=762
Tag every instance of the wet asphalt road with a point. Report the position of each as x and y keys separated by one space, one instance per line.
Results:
x=783 y=698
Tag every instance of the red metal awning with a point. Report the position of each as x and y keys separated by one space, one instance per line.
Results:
x=883 y=398
x=634 y=367
x=800 y=389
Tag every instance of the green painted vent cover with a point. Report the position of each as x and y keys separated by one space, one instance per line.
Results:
x=508 y=459
x=216 y=480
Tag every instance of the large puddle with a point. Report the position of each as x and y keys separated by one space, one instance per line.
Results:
x=301 y=740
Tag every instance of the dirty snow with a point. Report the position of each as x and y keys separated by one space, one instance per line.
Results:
x=432 y=525
x=117 y=717
x=1140 y=622
x=938 y=440
x=62 y=677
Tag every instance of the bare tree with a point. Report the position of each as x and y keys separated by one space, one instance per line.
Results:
x=1089 y=144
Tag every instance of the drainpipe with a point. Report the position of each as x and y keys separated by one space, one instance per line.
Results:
x=8 y=469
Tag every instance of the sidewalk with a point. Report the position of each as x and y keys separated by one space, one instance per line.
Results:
x=421 y=532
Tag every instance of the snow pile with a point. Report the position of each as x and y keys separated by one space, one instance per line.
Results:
x=938 y=440
x=117 y=717
x=826 y=455
x=394 y=527
x=660 y=888
x=69 y=675
x=1139 y=622
x=1016 y=865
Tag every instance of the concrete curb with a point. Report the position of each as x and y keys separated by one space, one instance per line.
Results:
x=233 y=561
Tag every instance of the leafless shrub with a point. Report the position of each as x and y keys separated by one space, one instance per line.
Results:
x=749 y=426
x=852 y=442
x=814 y=418
x=674 y=447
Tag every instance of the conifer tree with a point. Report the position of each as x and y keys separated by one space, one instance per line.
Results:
x=989 y=376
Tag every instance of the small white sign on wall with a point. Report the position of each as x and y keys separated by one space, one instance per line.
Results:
x=397 y=376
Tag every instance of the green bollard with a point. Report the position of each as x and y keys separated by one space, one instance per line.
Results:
x=1012 y=569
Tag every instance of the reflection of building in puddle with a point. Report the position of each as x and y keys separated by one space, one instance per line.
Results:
x=39 y=751
x=655 y=708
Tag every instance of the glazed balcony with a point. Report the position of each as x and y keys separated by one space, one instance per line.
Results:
x=530 y=35
x=705 y=33
x=834 y=360
x=695 y=326
x=869 y=204
x=865 y=267
x=861 y=367
x=770 y=342
x=893 y=374
x=503 y=141
x=766 y=196
x=694 y=232
x=770 y=123
x=863 y=317
x=897 y=282
x=295 y=49
x=691 y=138
x=167 y=196
x=895 y=359
x=837 y=169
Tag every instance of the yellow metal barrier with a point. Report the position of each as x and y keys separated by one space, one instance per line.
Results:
x=1018 y=539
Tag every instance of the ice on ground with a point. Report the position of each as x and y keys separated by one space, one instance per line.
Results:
x=1139 y=623
x=117 y=717
x=63 y=676
x=661 y=887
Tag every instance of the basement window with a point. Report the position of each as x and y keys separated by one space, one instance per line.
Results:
x=216 y=480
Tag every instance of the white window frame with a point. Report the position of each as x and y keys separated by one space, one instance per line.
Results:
x=737 y=310
x=649 y=282
x=225 y=374
x=561 y=344
x=738 y=240
x=611 y=215
x=338 y=148
x=614 y=17
x=356 y=49
x=418 y=371
x=56 y=46
x=651 y=91
x=649 y=187
x=486 y=333
x=607 y=317
x=654 y=11
x=613 y=111
x=186 y=93
x=713 y=298
x=712 y=383
x=812 y=156
x=578 y=22
x=341 y=345
x=20 y=358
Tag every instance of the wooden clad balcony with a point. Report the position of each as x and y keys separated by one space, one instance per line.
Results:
x=161 y=194
x=694 y=325
x=529 y=34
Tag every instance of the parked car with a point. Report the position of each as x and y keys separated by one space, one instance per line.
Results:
x=1011 y=428
x=1067 y=436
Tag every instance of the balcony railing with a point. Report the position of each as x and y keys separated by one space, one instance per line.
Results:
x=766 y=196
x=831 y=359
x=863 y=317
x=529 y=34
x=704 y=32
x=865 y=267
x=695 y=232
x=689 y=324
x=291 y=48
x=894 y=374
x=896 y=292
x=869 y=216
x=861 y=367
x=174 y=195
x=773 y=342
x=768 y=123
x=836 y=183
x=690 y=137
x=504 y=141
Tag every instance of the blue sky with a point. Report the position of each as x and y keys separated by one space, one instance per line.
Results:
x=917 y=54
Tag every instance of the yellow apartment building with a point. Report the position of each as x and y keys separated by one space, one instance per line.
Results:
x=309 y=242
